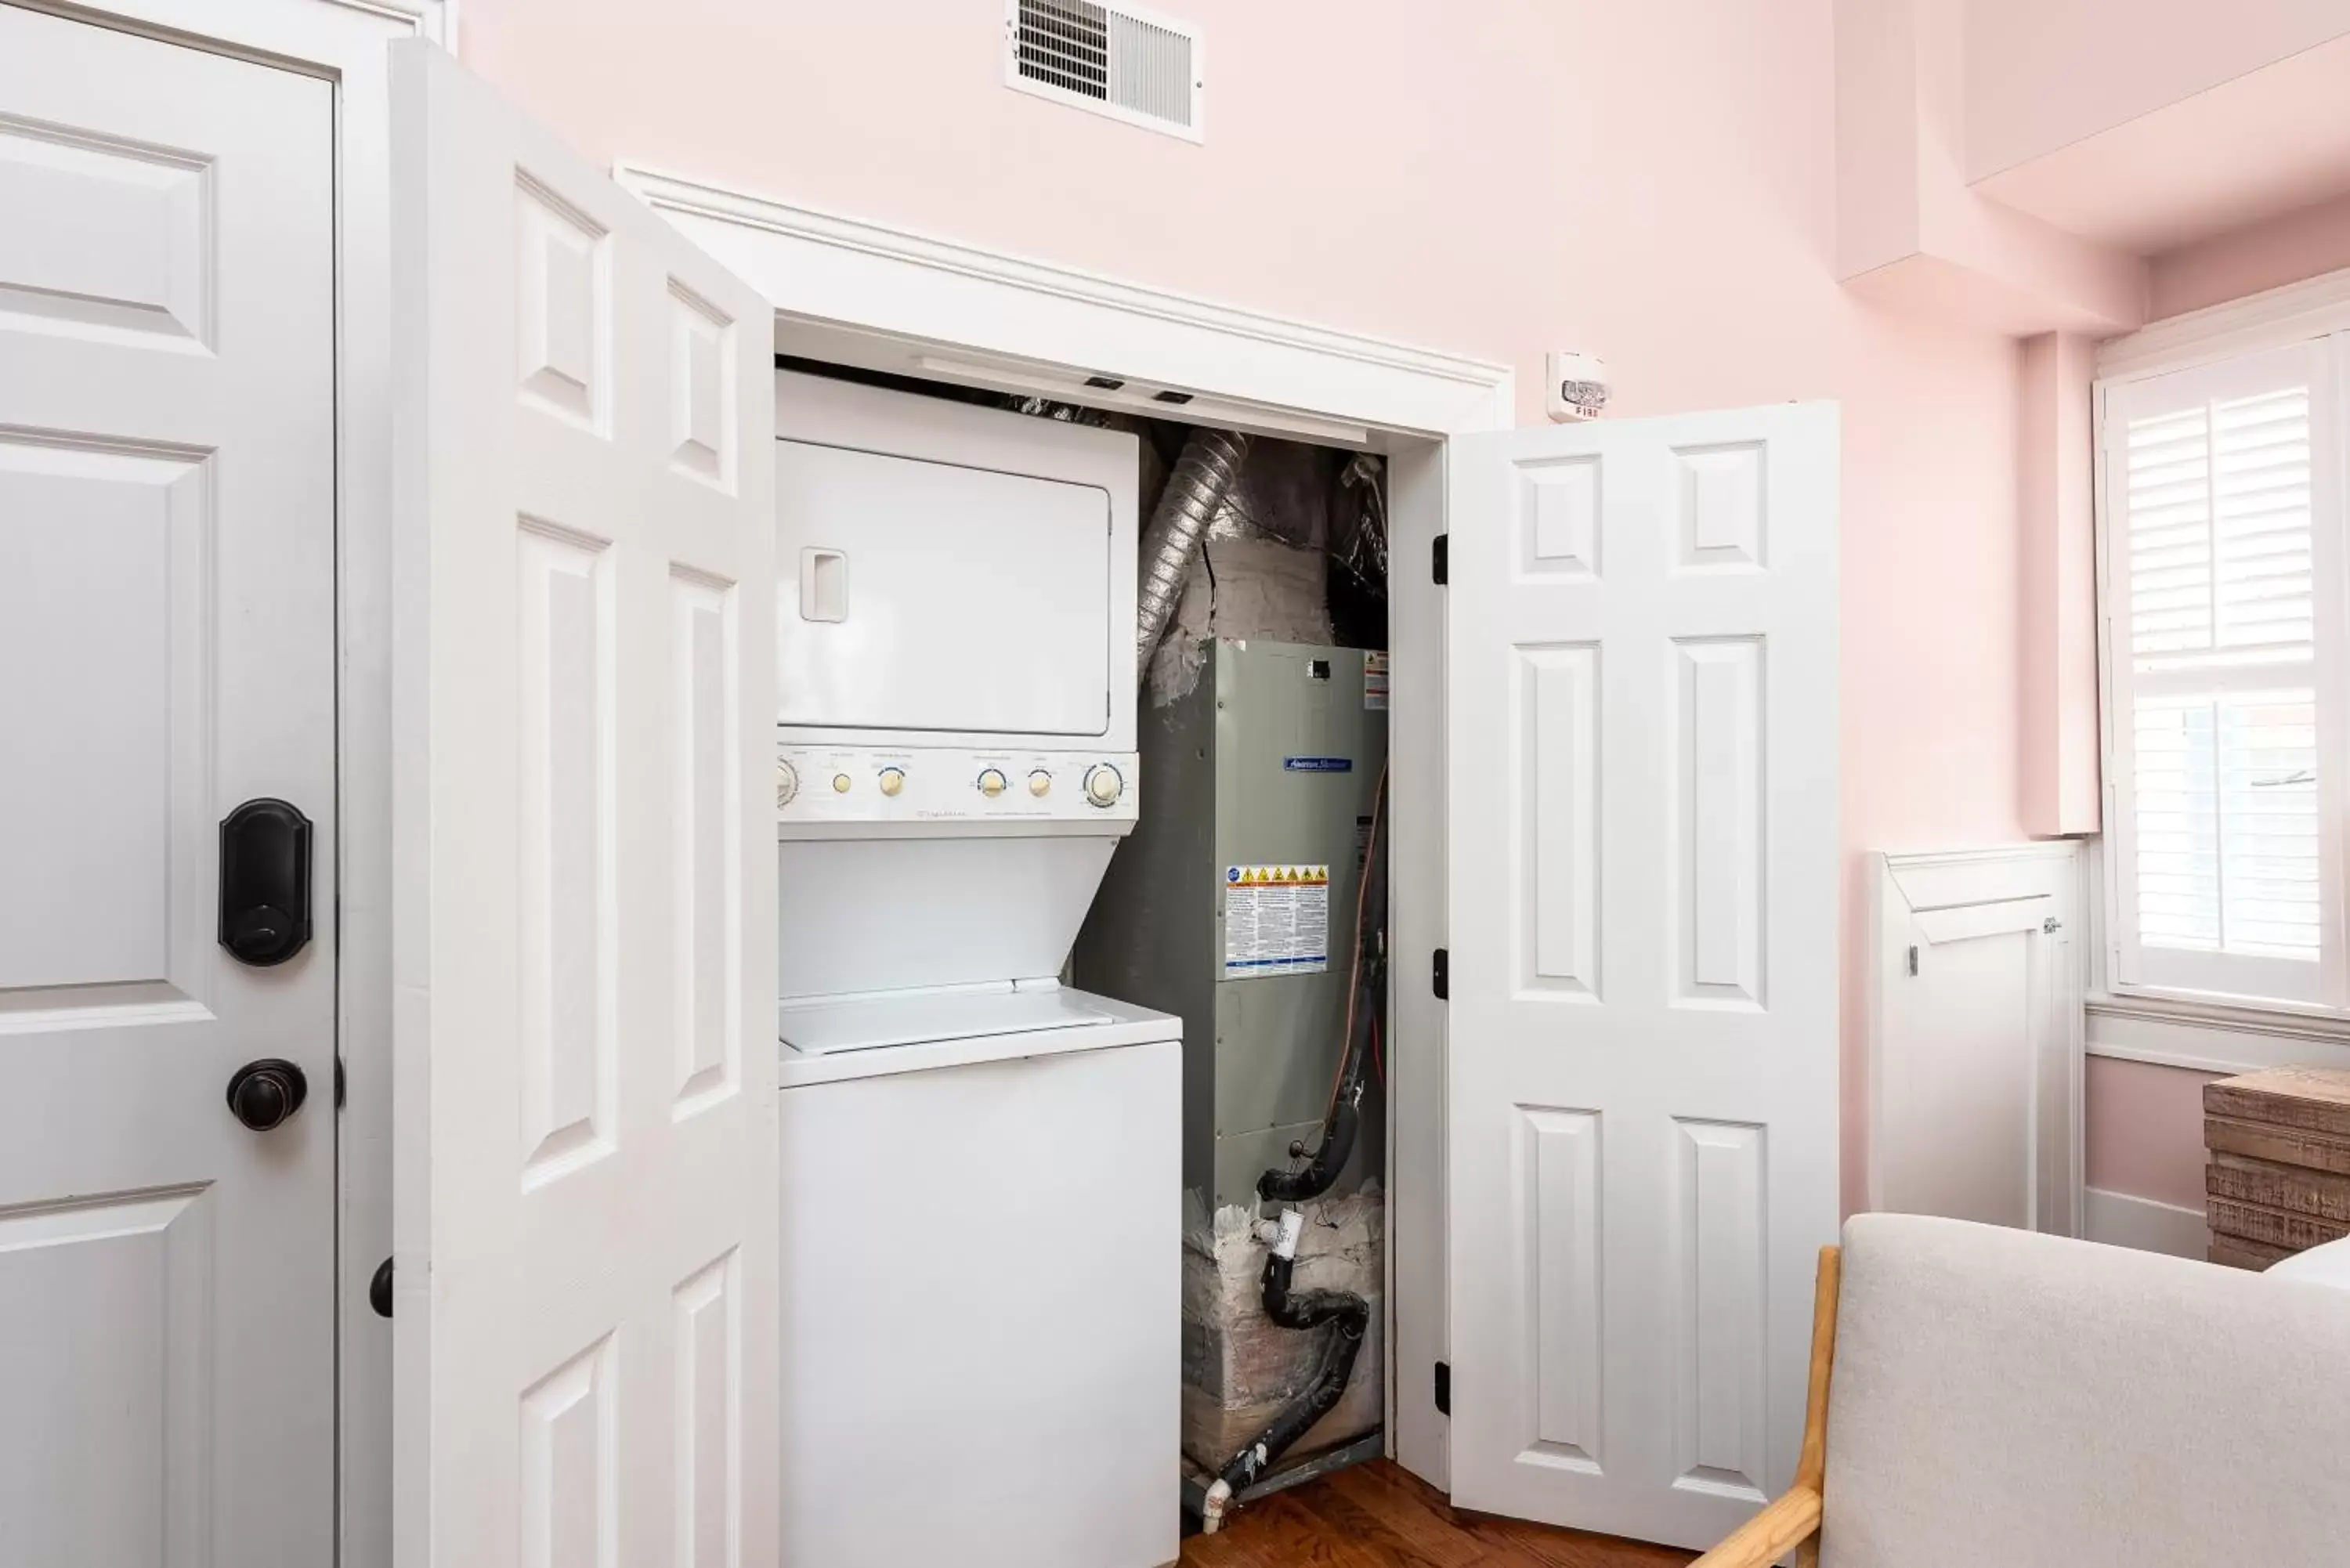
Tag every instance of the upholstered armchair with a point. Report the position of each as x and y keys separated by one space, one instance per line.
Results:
x=1981 y=1395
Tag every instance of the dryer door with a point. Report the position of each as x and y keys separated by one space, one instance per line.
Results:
x=934 y=597
x=949 y=574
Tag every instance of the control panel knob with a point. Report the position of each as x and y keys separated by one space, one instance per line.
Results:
x=787 y=783
x=1104 y=785
x=892 y=780
x=840 y=784
x=992 y=782
x=1040 y=784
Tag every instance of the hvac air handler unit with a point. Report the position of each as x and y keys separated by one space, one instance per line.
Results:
x=1236 y=904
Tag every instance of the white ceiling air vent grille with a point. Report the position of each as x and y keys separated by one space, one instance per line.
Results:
x=1117 y=61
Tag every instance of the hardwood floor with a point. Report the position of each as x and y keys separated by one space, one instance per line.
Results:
x=1381 y=1516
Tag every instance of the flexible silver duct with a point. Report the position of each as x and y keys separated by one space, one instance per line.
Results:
x=1282 y=492
x=1195 y=493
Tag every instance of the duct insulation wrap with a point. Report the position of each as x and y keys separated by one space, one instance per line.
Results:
x=1202 y=481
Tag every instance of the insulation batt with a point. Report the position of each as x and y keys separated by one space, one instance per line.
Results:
x=1240 y=588
x=1239 y=1369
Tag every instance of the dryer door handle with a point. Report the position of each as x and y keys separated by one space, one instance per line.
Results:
x=824 y=585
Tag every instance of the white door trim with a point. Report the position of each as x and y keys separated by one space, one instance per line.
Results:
x=827 y=268
x=1042 y=327
x=1953 y=881
x=345 y=40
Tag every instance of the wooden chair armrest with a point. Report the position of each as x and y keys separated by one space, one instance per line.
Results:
x=1771 y=1535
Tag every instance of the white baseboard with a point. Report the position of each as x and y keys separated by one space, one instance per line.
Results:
x=2119 y=1220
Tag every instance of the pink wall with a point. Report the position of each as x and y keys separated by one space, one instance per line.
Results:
x=1652 y=182
x=2041 y=74
x=2145 y=1130
x=2283 y=250
x=2057 y=535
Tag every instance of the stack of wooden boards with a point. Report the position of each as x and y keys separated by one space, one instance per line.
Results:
x=2279 y=1177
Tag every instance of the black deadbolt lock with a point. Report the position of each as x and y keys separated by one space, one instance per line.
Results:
x=264 y=882
x=266 y=1093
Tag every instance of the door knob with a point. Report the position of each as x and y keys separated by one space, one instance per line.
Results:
x=266 y=1093
x=264 y=882
x=379 y=1289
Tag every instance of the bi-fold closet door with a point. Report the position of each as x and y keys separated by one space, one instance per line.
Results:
x=1643 y=1058
x=585 y=1169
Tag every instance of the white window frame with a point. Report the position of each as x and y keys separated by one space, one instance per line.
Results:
x=2317 y=312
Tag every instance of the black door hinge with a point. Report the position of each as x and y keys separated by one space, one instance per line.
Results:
x=1444 y=1389
x=1440 y=981
x=1440 y=562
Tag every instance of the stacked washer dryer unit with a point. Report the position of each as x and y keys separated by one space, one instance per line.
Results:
x=982 y=1170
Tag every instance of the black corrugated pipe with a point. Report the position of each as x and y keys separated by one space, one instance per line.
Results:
x=1330 y=1155
x=1349 y=1315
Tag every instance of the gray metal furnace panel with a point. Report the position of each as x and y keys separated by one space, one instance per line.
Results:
x=1271 y=759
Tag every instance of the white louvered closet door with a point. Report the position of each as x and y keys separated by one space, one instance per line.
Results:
x=2226 y=732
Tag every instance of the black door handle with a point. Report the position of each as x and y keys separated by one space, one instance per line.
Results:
x=379 y=1289
x=266 y=1093
x=264 y=882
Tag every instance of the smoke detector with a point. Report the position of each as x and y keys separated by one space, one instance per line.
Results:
x=1117 y=61
x=1575 y=386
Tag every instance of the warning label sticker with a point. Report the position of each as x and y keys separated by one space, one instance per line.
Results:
x=1374 y=682
x=1276 y=921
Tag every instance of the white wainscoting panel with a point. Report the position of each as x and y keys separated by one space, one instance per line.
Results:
x=2119 y=1220
x=1975 y=1035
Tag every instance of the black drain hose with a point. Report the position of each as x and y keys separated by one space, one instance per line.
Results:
x=1351 y=1316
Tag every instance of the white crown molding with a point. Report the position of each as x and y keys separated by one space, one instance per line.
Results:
x=272 y=31
x=2298 y=311
x=434 y=19
x=831 y=268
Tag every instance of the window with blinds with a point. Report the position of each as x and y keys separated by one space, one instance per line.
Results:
x=2225 y=708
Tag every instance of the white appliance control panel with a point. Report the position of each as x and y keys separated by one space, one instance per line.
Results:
x=818 y=784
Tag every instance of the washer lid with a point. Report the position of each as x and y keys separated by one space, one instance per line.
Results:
x=824 y=1041
x=819 y=1028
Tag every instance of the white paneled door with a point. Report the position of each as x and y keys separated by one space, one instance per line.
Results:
x=167 y=591
x=585 y=1210
x=1641 y=668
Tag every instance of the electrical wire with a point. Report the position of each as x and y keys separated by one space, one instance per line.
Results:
x=1354 y=964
